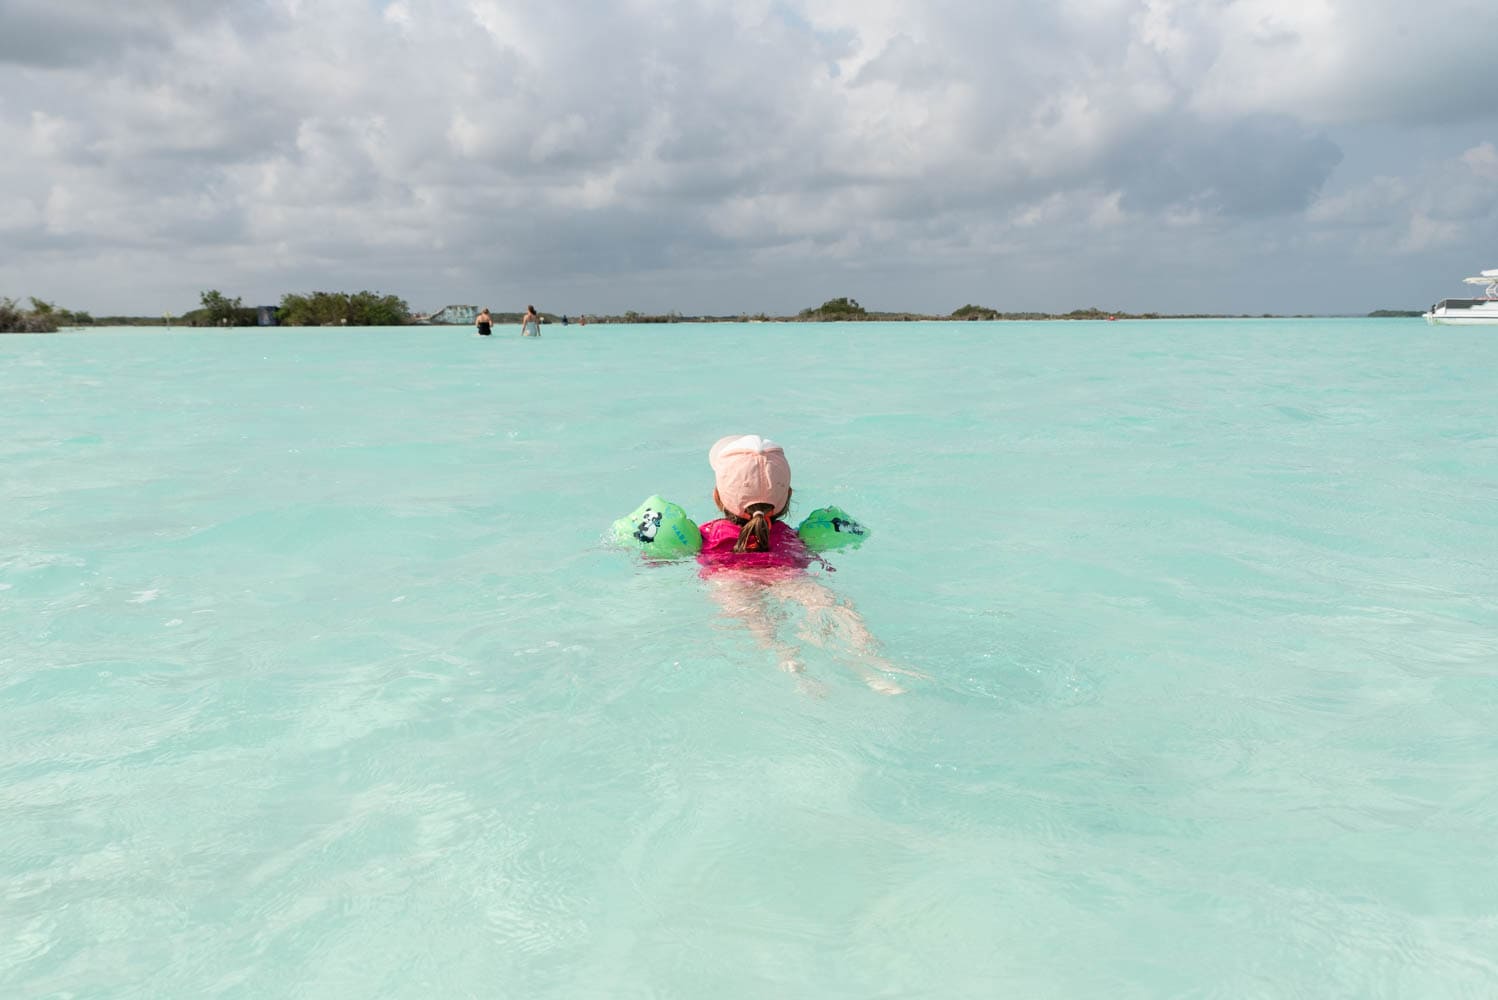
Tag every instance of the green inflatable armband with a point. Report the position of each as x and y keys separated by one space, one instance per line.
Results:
x=659 y=529
x=828 y=528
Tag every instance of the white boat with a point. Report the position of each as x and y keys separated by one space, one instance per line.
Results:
x=1470 y=312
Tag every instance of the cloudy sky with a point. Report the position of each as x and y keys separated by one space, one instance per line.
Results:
x=736 y=155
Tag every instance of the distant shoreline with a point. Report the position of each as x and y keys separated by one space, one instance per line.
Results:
x=1017 y=317
x=337 y=309
x=872 y=317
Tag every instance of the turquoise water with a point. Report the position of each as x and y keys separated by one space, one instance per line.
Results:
x=316 y=679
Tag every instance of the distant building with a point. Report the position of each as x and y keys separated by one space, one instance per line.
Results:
x=456 y=315
x=265 y=315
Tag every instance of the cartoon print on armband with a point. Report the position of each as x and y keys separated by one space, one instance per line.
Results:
x=648 y=526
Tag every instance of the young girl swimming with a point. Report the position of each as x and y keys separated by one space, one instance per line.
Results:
x=757 y=564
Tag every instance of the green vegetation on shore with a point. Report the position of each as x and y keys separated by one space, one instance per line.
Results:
x=343 y=309
x=316 y=309
x=219 y=310
x=42 y=317
x=835 y=309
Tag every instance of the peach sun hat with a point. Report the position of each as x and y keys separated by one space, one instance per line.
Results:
x=750 y=469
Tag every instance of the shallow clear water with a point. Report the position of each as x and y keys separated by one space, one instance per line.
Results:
x=317 y=680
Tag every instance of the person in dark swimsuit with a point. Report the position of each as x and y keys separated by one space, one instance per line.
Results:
x=485 y=322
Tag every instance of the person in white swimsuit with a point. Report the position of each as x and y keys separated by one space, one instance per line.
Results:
x=530 y=325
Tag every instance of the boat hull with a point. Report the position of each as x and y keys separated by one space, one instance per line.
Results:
x=1450 y=319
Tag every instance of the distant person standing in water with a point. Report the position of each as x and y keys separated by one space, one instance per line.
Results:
x=530 y=326
x=485 y=322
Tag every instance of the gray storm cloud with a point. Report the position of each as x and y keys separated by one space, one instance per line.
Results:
x=1247 y=156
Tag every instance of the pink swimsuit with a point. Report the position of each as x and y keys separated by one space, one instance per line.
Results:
x=787 y=551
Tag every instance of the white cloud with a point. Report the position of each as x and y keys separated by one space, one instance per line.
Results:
x=398 y=13
x=1482 y=160
x=1337 y=61
x=1446 y=203
x=1422 y=233
x=1369 y=204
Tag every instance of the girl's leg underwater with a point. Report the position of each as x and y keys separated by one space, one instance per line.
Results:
x=744 y=600
x=827 y=615
x=747 y=600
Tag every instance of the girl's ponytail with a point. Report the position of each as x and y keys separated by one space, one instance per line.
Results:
x=754 y=536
